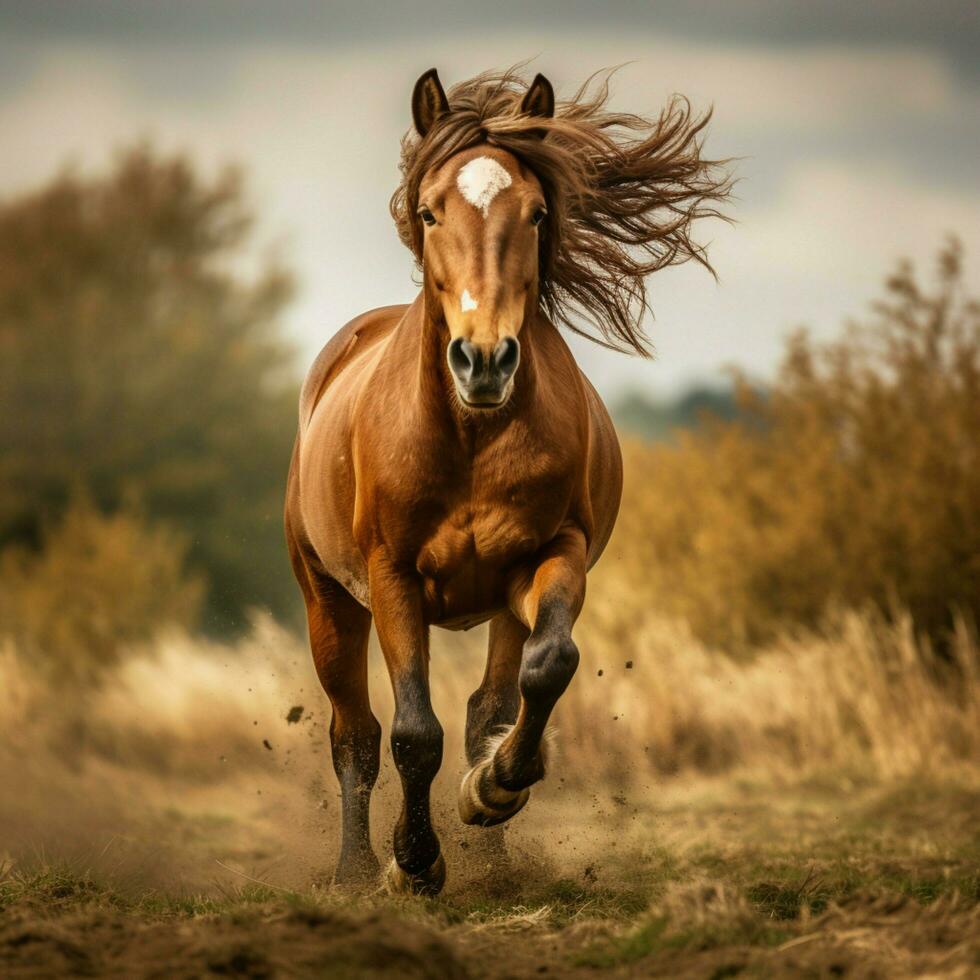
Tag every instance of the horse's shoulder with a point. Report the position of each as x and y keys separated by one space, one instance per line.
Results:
x=600 y=416
x=365 y=329
x=605 y=471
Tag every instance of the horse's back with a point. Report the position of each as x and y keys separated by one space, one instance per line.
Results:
x=353 y=339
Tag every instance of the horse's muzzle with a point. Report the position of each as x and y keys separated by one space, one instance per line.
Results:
x=484 y=379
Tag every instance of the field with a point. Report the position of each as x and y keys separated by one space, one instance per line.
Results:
x=811 y=813
x=768 y=763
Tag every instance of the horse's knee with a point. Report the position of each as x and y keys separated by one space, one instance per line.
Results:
x=549 y=663
x=416 y=744
x=356 y=747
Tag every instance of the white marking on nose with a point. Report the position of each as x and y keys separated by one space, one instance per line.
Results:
x=481 y=180
x=466 y=302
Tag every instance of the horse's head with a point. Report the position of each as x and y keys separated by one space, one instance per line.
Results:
x=482 y=212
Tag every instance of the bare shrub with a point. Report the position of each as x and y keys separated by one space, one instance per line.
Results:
x=856 y=480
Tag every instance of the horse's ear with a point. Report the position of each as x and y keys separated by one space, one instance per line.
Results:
x=429 y=101
x=540 y=98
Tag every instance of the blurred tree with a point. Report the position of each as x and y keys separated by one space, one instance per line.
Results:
x=854 y=480
x=637 y=413
x=137 y=361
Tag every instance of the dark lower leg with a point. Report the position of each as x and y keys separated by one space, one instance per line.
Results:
x=497 y=786
x=493 y=705
x=547 y=599
x=549 y=662
x=339 y=629
x=416 y=735
x=416 y=746
x=356 y=753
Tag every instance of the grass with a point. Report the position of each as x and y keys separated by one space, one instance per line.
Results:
x=704 y=817
x=759 y=878
x=53 y=887
x=658 y=935
x=59 y=888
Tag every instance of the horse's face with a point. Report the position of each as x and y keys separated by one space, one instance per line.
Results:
x=482 y=213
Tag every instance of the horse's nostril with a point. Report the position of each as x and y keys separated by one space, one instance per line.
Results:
x=463 y=358
x=507 y=355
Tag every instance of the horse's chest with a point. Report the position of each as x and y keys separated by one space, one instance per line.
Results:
x=489 y=514
x=465 y=527
x=485 y=537
x=466 y=558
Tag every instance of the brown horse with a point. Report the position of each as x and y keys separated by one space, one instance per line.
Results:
x=453 y=464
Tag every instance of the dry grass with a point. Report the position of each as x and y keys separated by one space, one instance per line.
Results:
x=99 y=583
x=656 y=701
x=854 y=481
x=833 y=701
x=836 y=827
x=712 y=880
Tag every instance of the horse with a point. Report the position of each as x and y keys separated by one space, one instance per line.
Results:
x=453 y=465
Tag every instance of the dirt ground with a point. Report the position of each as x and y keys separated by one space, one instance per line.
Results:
x=688 y=879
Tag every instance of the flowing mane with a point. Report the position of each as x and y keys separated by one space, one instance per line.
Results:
x=623 y=192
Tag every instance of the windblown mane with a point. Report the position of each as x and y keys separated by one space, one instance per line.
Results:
x=622 y=193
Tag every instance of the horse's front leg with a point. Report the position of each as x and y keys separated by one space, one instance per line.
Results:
x=416 y=735
x=546 y=597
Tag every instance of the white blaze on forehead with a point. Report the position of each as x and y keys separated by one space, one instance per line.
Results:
x=481 y=180
x=466 y=302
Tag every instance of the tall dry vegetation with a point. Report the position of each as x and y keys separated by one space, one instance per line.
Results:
x=838 y=701
x=97 y=584
x=855 y=481
x=835 y=704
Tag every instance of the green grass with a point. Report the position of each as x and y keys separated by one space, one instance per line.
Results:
x=60 y=888
x=56 y=888
x=659 y=934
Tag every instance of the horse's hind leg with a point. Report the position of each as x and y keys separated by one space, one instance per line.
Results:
x=491 y=712
x=494 y=703
x=546 y=597
x=339 y=629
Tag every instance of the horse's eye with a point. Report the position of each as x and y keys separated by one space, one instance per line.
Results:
x=539 y=215
x=427 y=216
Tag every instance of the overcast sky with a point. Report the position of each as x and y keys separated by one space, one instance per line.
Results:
x=858 y=125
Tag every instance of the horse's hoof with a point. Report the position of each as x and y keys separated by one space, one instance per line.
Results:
x=473 y=809
x=428 y=882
